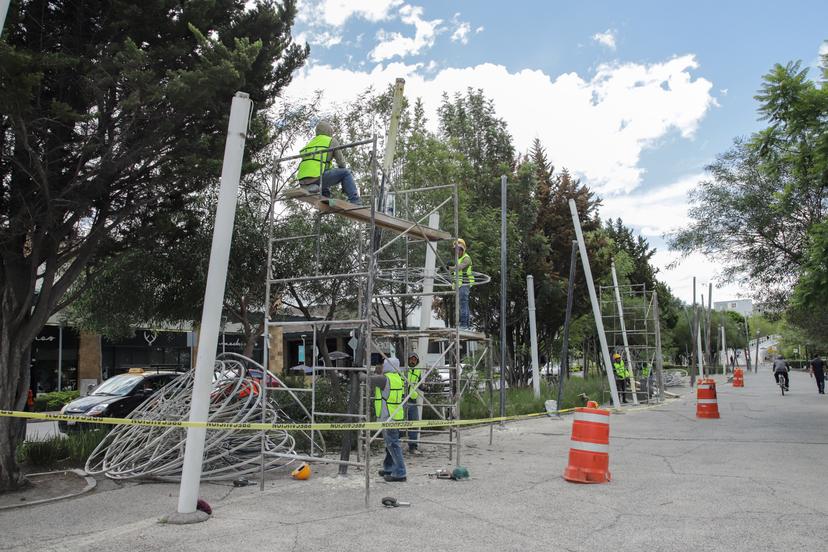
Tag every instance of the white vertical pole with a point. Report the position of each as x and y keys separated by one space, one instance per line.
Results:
x=724 y=351
x=4 y=9
x=533 y=335
x=213 y=299
x=596 y=309
x=699 y=359
x=427 y=300
x=624 y=334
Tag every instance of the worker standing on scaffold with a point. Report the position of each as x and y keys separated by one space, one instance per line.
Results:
x=316 y=161
x=464 y=280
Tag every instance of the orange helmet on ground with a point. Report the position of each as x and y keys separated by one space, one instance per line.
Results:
x=302 y=473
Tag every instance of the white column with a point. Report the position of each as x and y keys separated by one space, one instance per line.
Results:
x=533 y=335
x=427 y=300
x=596 y=309
x=630 y=366
x=724 y=352
x=213 y=299
x=700 y=358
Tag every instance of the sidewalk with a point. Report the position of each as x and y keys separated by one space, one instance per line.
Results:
x=679 y=483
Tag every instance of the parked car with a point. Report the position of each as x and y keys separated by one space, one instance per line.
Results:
x=117 y=396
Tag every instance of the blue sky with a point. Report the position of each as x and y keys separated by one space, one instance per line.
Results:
x=634 y=97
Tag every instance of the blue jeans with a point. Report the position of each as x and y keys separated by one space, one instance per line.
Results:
x=413 y=414
x=393 y=463
x=335 y=176
x=464 y=306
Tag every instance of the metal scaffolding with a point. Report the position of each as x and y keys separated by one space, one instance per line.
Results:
x=386 y=277
x=631 y=324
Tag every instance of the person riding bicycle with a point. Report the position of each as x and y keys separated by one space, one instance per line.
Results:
x=781 y=367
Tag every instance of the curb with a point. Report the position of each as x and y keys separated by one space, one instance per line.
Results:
x=90 y=484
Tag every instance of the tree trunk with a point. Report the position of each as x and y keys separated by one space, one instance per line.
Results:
x=14 y=387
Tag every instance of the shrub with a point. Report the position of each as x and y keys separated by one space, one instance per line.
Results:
x=49 y=402
x=59 y=452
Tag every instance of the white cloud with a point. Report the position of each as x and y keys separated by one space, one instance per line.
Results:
x=395 y=44
x=480 y=29
x=607 y=38
x=596 y=127
x=823 y=49
x=337 y=12
x=461 y=33
x=325 y=19
x=680 y=277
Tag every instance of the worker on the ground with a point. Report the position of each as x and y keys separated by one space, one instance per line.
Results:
x=780 y=366
x=412 y=408
x=818 y=372
x=314 y=165
x=389 y=390
x=464 y=279
x=647 y=378
x=621 y=376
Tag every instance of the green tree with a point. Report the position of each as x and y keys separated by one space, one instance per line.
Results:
x=114 y=114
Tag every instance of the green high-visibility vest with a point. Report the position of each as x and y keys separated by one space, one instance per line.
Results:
x=395 y=398
x=620 y=369
x=414 y=375
x=465 y=276
x=645 y=371
x=314 y=164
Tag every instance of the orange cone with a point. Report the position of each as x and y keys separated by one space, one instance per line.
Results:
x=706 y=404
x=30 y=400
x=589 y=447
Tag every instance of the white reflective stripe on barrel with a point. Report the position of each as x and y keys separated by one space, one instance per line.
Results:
x=707 y=401
x=591 y=417
x=703 y=386
x=589 y=447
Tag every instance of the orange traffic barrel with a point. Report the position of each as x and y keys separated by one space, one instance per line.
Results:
x=738 y=378
x=589 y=447
x=706 y=404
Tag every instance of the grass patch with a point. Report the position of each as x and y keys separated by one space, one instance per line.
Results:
x=521 y=400
x=60 y=452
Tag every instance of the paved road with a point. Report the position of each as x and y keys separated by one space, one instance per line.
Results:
x=752 y=481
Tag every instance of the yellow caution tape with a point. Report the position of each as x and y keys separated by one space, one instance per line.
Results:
x=274 y=426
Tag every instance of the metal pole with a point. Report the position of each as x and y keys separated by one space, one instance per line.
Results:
x=693 y=337
x=756 y=361
x=724 y=350
x=699 y=356
x=60 y=356
x=213 y=299
x=624 y=334
x=570 y=292
x=659 y=361
x=533 y=335
x=709 y=329
x=502 y=296
x=596 y=309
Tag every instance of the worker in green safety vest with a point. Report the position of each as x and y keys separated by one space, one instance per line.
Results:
x=621 y=376
x=464 y=279
x=389 y=392
x=413 y=377
x=316 y=166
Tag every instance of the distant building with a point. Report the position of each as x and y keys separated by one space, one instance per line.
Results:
x=742 y=306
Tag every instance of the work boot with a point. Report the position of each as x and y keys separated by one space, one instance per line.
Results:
x=392 y=479
x=383 y=473
x=356 y=201
x=414 y=451
x=310 y=188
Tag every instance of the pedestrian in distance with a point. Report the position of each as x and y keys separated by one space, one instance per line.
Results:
x=818 y=373
x=389 y=392
x=316 y=166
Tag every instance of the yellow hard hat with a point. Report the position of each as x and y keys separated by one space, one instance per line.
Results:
x=461 y=242
x=616 y=355
x=302 y=473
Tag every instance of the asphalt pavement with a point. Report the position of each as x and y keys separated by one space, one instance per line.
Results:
x=753 y=480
